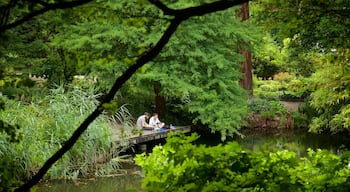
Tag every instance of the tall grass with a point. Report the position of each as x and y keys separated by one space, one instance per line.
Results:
x=124 y=126
x=46 y=123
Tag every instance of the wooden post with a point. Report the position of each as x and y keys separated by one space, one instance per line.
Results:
x=142 y=147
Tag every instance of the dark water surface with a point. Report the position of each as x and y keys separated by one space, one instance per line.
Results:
x=298 y=141
x=100 y=184
x=295 y=140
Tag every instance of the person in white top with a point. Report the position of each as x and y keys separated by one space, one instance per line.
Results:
x=154 y=122
x=141 y=122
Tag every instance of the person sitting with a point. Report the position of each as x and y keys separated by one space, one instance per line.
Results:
x=142 y=123
x=154 y=122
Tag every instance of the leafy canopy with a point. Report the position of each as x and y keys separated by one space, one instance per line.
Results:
x=199 y=66
x=321 y=25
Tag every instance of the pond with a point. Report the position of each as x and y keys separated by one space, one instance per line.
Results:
x=295 y=140
x=298 y=141
x=125 y=183
x=128 y=179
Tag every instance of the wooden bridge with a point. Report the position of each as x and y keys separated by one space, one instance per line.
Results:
x=146 y=136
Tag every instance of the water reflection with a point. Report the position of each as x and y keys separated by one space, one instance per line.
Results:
x=298 y=141
x=125 y=183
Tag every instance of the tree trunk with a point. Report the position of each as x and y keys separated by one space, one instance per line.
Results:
x=159 y=100
x=246 y=70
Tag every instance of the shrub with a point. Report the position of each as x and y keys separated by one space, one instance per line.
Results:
x=285 y=86
x=181 y=166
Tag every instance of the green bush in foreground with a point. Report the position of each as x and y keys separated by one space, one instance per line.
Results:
x=182 y=166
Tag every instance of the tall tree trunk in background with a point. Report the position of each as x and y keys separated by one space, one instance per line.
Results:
x=159 y=100
x=246 y=70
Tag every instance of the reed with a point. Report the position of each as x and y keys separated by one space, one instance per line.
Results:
x=47 y=122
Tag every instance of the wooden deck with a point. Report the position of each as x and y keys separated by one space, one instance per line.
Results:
x=147 y=135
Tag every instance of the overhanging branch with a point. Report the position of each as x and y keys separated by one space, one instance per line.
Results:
x=180 y=16
x=198 y=10
x=47 y=7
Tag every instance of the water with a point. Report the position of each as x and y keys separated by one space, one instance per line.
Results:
x=128 y=179
x=298 y=141
x=125 y=183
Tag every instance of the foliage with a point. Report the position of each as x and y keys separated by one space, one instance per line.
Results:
x=202 y=50
x=331 y=94
x=268 y=59
x=200 y=67
x=284 y=86
x=267 y=107
x=300 y=120
x=46 y=123
x=182 y=166
x=273 y=58
x=63 y=56
x=320 y=25
x=267 y=113
x=297 y=61
x=10 y=166
x=28 y=50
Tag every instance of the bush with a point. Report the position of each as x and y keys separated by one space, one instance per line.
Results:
x=266 y=107
x=285 y=86
x=266 y=113
x=182 y=166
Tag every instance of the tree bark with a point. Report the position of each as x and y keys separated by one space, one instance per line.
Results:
x=246 y=69
x=159 y=100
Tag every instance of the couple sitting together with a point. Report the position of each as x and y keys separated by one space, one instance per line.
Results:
x=154 y=123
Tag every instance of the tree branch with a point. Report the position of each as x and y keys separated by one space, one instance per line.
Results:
x=198 y=10
x=143 y=59
x=48 y=7
x=5 y=11
x=116 y=86
x=166 y=10
x=41 y=2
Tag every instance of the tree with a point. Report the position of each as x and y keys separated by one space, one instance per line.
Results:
x=318 y=41
x=28 y=49
x=246 y=69
x=210 y=91
x=210 y=69
x=320 y=25
x=331 y=94
x=178 y=16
